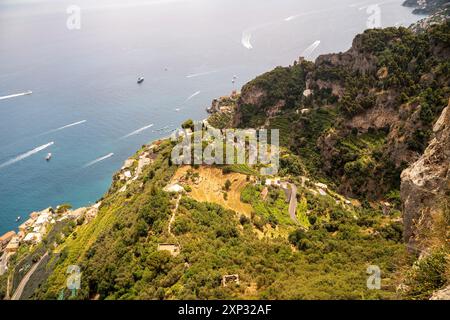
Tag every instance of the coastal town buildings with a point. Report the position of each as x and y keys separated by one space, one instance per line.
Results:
x=6 y=238
x=13 y=245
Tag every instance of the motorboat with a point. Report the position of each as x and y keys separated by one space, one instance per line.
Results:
x=140 y=80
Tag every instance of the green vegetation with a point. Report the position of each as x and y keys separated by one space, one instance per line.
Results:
x=323 y=256
x=239 y=168
x=188 y=124
x=428 y=274
x=274 y=210
x=227 y=185
x=395 y=71
x=3 y=284
x=63 y=208
x=285 y=84
x=221 y=120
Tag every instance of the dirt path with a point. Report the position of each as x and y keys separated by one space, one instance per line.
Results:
x=293 y=203
x=23 y=283
x=8 y=283
x=172 y=218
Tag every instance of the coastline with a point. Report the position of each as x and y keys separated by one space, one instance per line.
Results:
x=97 y=201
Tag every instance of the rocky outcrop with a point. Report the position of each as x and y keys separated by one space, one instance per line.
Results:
x=424 y=186
x=426 y=7
x=252 y=96
x=443 y=294
x=355 y=59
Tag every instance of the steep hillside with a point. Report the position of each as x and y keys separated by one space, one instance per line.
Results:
x=425 y=190
x=350 y=124
x=357 y=119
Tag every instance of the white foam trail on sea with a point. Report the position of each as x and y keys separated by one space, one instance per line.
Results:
x=299 y=15
x=16 y=95
x=357 y=4
x=246 y=37
x=193 y=95
x=120 y=6
x=304 y=14
x=195 y=75
x=66 y=126
x=138 y=131
x=308 y=51
x=26 y=155
x=290 y=18
x=98 y=160
x=376 y=4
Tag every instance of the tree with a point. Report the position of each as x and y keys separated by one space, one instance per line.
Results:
x=227 y=185
x=188 y=124
x=63 y=208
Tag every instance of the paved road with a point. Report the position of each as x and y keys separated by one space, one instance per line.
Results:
x=23 y=283
x=293 y=203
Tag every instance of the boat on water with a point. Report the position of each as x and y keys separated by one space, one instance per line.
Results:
x=140 y=80
x=18 y=218
x=48 y=157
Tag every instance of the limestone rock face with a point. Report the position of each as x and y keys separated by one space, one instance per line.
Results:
x=443 y=294
x=425 y=184
x=253 y=96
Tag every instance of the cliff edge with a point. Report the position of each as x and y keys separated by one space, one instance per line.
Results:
x=425 y=190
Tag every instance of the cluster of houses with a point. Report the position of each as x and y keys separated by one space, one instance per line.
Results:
x=6 y=240
x=276 y=182
x=132 y=168
x=30 y=232
x=33 y=230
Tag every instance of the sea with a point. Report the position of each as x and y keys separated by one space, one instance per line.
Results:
x=69 y=69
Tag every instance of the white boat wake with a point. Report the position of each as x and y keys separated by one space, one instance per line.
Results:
x=290 y=18
x=193 y=95
x=376 y=4
x=16 y=95
x=66 y=126
x=137 y=131
x=308 y=51
x=195 y=75
x=246 y=37
x=308 y=13
x=26 y=155
x=98 y=160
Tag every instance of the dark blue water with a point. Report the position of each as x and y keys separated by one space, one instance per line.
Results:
x=90 y=74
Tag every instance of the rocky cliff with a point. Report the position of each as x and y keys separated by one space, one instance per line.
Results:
x=427 y=6
x=425 y=191
x=360 y=117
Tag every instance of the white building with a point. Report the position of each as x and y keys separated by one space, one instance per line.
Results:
x=33 y=238
x=174 y=188
x=43 y=219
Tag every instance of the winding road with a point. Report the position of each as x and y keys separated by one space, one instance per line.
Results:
x=26 y=278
